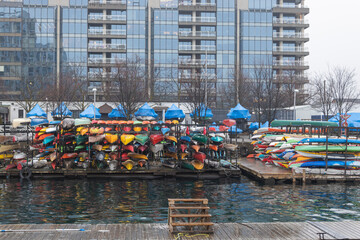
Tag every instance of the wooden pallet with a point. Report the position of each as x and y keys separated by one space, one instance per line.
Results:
x=189 y=215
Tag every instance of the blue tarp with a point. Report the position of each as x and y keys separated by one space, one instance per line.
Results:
x=174 y=113
x=62 y=111
x=38 y=121
x=89 y=112
x=36 y=112
x=118 y=112
x=254 y=126
x=146 y=111
x=239 y=112
x=234 y=130
x=202 y=109
x=353 y=121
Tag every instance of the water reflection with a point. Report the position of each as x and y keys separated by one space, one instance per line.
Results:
x=112 y=201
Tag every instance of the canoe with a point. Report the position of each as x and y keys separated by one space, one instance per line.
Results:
x=195 y=147
x=322 y=148
x=48 y=139
x=129 y=164
x=230 y=147
x=200 y=156
x=330 y=140
x=96 y=138
x=185 y=139
x=81 y=139
x=82 y=121
x=331 y=155
x=200 y=138
x=156 y=148
x=129 y=148
x=142 y=138
x=225 y=164
x=127 y=138
x=212 y=164
x=171 y=138
x=136 y=156
x=198 y=165
x=168 y=163
x=9 y=166
x=156 y=138
x=111 y=138
x=229 y=122
x=185 y=164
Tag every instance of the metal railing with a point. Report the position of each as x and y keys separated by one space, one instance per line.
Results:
x=290 y=35
x=107 y=2
x=107 y=46
x=290 y=6
x=105 y=60
x=190 y=3
x=197 y=33
x=290 y=49
x=197 y=47
x=197 y=19
x=290 y=21
x=193 y=76
x=108 y=17
x=95 y=75
x=107 y=31
x=197 y=61
x=289 y=63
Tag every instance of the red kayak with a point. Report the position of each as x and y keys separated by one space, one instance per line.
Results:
x=143 y=148
x=261 y=146
x=183 y=147
x=223 y=128
x=69 y=155
x=127 y=129
x=156 y=138
x=129 y=148
x=229 y=122
x=124 y=157
x=200 y=156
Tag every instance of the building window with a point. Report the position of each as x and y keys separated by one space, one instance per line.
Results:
x=21 y=113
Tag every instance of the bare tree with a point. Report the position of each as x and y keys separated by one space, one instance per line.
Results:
x=321 y=95
x=128 y=85
x=31 y=93
x=343 y=89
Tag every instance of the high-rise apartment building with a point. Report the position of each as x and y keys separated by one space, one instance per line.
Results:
x=181 y=39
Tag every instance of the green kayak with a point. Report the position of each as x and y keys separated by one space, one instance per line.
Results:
x=82 y=121
x=330 y=148
x=293 y=123
x=187 y=165
x=81 y=139
x=200 y=138
x=142 y=138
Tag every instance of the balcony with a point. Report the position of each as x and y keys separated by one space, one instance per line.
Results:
x=298 y=78
x=198 y=48
x=97 y=75
x=197 y=62
x=294 y=64
x=105 y=60
x=300 y=23
x=107 y=47
x=284 y=50
x=109 y=4
x=106 y=18
x=196 y=6
x=197 y=34
x=187 y=77
x=299 y=37
x=185 y=20
x=109 y=32
x=287 y=8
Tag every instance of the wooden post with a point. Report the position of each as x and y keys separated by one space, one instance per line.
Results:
x=293 y=175
x=304 y=177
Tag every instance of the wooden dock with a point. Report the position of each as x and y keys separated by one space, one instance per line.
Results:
x=152 y=173
x=222 y=231
x=270 y=174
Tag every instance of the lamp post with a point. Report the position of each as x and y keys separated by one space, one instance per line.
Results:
x=46 y=107
x=94 y=90
x=295 y=91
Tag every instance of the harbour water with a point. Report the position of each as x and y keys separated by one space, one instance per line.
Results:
x=145 y=201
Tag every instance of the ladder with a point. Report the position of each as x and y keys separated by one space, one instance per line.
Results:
x=189 y=216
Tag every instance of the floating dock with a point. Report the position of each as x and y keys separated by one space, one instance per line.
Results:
x=270 y=174
x=222 y=231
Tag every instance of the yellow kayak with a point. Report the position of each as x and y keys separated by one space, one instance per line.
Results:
x=127 y=138
x=6 y=155
x=83 y=131
x=171 y=138
x=111 y=138
x=137 y=156
x=197 y=164
x=129 y=164
x=137 y=129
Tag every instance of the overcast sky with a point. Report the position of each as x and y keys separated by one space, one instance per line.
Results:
x=334 y=34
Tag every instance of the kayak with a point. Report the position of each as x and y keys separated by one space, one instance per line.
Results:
x=156 y=138
x=48 y=139
x=96 y=138
x=136 y=156
x=111 y=138
x=331 y=155
x=217 y=140
x=200 y=138
x=141 y=138
x=198 y=165
x=82 y=121
x=195 y=147
x=230 y=147
x=127 y=138
x=168 y=163
x=225 y=164
x=329 y=149
x=200 y=156
x=330 y=140
x=212 y=164
x=331 y=163
x=187 y=165
x=129 y=164
x=156 y=148
x=229 y=122
x=129 y=148
x=171 y=138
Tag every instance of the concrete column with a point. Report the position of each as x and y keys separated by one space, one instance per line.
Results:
x=58 y=40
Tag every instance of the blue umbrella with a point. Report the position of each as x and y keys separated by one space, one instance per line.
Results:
x=89 y=112
x=36 y=112
x=61 y=110
x=118 y=112
x=205 y=112
x=146 y=113
x=174 y=113
x=239 y=112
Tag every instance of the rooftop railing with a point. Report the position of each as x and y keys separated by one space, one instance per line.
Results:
x=107 y=2
x=190 y=3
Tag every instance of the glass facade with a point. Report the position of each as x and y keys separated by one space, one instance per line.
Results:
x=177 y=41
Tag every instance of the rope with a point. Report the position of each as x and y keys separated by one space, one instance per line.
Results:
x=179 y=235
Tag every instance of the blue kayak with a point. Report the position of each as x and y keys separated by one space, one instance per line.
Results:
x=330 y=140
x=331 y=163
x=38 y=121
x=48 y=139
